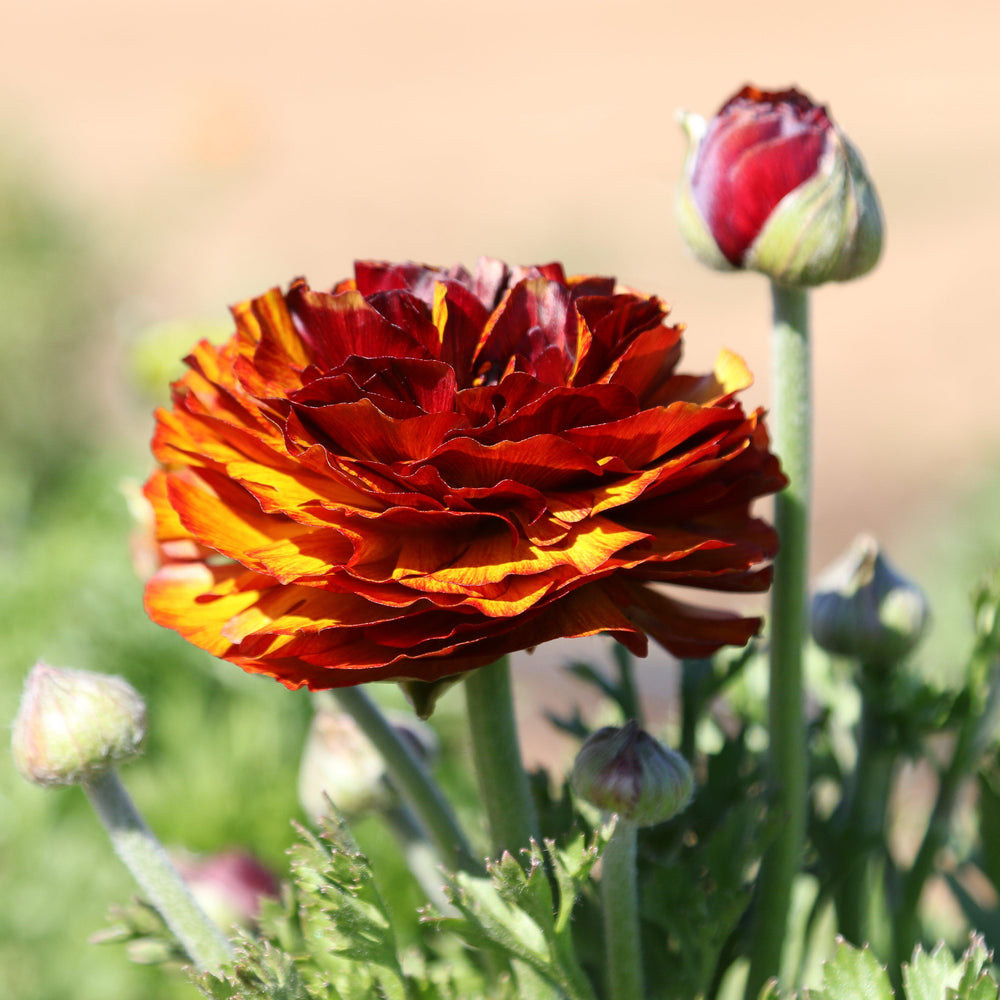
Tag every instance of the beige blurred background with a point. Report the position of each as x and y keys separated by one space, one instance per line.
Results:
x=226 y=147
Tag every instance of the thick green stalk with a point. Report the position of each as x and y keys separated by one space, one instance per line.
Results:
x=503 y=784
x=865 y=828
x=790 y=422
x=146 y=859
x=620 y=912
x=411 y=779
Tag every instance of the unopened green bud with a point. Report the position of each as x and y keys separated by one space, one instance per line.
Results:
x=864 y=608
x=74 y=725
x=626 y=771
x=342 y=765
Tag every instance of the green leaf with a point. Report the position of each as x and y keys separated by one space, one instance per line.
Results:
x=854 y=974
x=515 y=914
x=340 y=896
x=928 y=976
x=261 y=972
x=975 y=983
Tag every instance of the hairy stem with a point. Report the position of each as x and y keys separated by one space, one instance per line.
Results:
x=146 y=859
x=865 y=826
x=510 y=809
x=620 y=912
x=411 y=779
x=791 y=426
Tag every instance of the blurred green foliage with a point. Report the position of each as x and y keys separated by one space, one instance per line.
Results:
x=949 y=549
x=223 y=753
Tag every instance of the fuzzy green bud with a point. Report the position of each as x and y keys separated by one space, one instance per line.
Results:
x=863 y=608
x=74 y=725
x=626 y=771
x=340 y=764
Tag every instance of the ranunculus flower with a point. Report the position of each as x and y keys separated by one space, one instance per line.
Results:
x=772 y=185
x=426 y=469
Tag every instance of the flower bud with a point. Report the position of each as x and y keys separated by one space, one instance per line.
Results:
x=771 y=184
x=626 y=771
x=73 y=725
x=863 y=608
x=228 y=886
x=341 y=764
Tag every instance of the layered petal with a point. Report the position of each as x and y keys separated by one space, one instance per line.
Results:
x=427 y=468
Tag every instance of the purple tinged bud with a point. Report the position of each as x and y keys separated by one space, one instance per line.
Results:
x=626 y=771
x=74 y=725
x=229 y=886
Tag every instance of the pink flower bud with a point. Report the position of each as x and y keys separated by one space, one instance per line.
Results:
x=229 y=886
x=772 y=185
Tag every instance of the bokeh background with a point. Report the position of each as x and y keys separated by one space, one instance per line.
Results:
x=159 y=162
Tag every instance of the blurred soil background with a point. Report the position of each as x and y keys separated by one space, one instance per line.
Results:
x=160 y=162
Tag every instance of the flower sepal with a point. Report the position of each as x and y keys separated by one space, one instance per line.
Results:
x=694 y=229
x=827 y=229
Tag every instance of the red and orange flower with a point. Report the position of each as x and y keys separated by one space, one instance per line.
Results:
x=425 y=469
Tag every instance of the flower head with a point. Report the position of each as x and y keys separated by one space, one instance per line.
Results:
x=425 y=469
x=864 y=607
x=74 y=725
x=626 y=771
x=772 y=185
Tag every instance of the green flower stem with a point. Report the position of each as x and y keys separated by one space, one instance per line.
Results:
x=791 y=426
x=146 y=859
x=421 y=858
x=503 y=784
x=620 y=911
x=696 y=678
x=629 y=691
x=973 y=739
x=865 y=827
x=411 y=779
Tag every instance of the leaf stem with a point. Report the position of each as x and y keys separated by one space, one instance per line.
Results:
x=503 y=784
x=791 y=425
x=411 y=779
x=149 y=864
x=620 y=912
